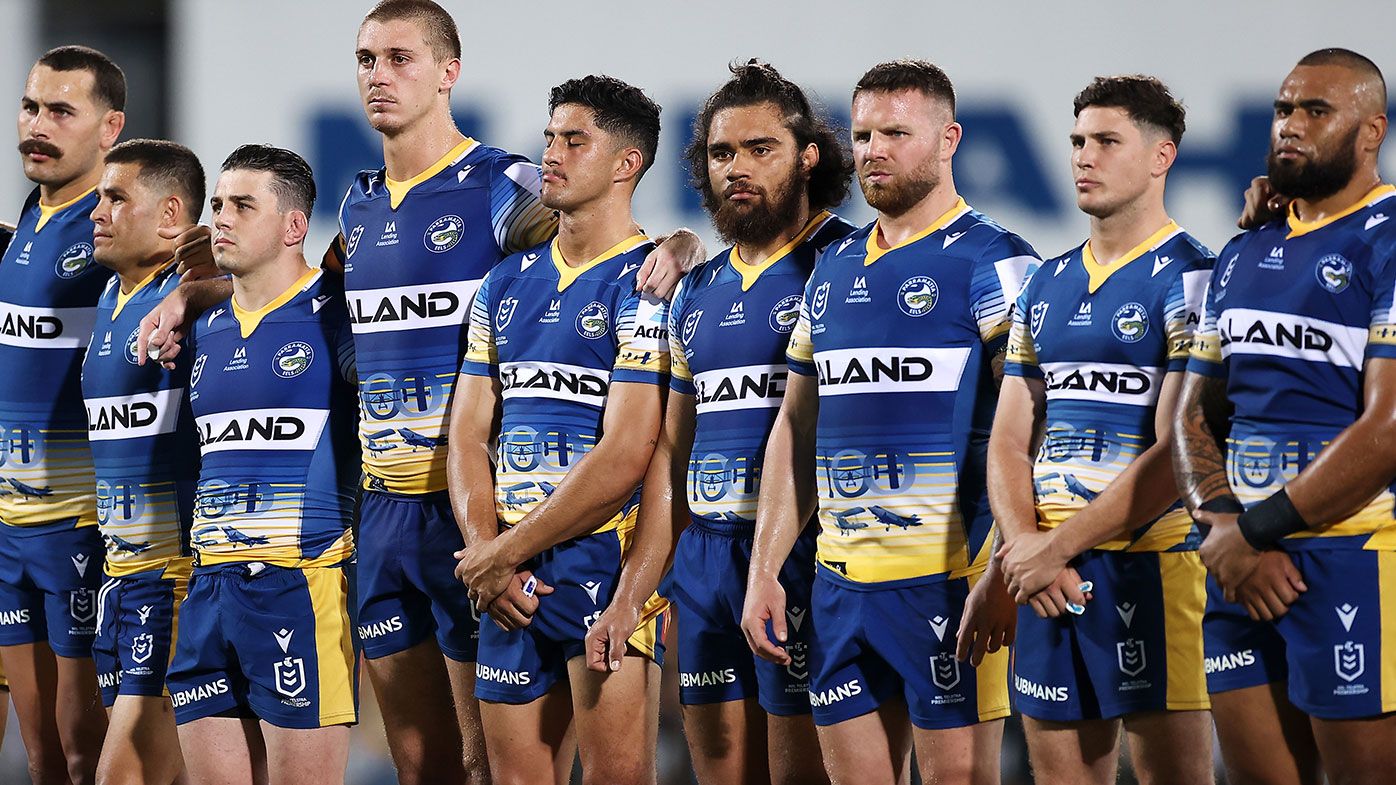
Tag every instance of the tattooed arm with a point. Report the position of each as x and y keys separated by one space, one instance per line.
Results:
x=1199 y=432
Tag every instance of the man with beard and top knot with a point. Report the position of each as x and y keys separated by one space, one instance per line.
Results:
x=884 y=426
x=1100 y=340
x=1286 y=447
x=769 y=170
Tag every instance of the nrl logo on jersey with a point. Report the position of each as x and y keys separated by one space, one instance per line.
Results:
x=1037 y=314
x=1130 y=323
x=593 y=320
x=1334 y=273
x=198 y=371
x=785 y=314
x=73 y=261
x=353 y=243
x=505 y=314
x=820 y=303
x=690 y=325
x=918 y=295
x=443 y=233
x=292 y=360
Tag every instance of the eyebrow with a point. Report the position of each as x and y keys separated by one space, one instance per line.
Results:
x=1307 y=103
x=63 y=105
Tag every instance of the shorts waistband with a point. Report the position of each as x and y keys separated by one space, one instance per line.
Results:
x=734 y=529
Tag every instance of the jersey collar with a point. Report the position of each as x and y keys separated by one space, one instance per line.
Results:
x=750 y=272
x=248 y=320
x=122 y=297
x=566 y=274
x=1298 y=228
x=397 y=189
x=876 y=251
x=1100 y=273
x=46 y=212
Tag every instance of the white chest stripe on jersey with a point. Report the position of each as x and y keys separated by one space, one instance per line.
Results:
x=1250 y=331
x=133 y=416
x=560 y=381
x=411 y=307
x=46 y=328
x=261 y=429
x=889 y=369
x=747 y=387
x=1104 y=382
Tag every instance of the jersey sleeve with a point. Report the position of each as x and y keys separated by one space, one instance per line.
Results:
x=799 y=353
x=481 y=354
x=1182 y=313
x=517 y=213
x=344 y=350
x=1022 y=356
x=642 y=340
x=680 y=377
x=1000 y=272
x=1205 y=356
x=1381 y=335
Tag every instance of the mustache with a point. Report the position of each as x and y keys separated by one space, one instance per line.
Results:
x=743 y=188
x=39 y=146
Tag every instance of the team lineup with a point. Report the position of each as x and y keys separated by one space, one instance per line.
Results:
x=890 y=482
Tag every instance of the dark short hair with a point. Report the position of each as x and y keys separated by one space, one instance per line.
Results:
x=437 y=26
x=170 y=165
x=1348 y=59
x=1145 y=99
x=108 y=81
x=753 y=83
x=897 y=75
x=291 y=178
x=621 y=109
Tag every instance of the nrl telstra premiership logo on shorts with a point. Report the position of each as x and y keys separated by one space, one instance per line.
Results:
x=142 y=646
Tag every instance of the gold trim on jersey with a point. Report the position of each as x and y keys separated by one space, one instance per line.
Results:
x=1298 y=228
x=46 y=212
x=566 y=273
x=397 y=189
x=124 y=297
x=248 y=320
x=1099 y=273
x=750 y=272
x=288 y=556
x=876 y=251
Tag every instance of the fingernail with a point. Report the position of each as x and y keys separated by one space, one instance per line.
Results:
x=1087 y=586
x=1072 y=607
x=615 y=665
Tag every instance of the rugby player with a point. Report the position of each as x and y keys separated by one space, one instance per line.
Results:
x=769 y=170
x=263 y=679
x=573 y=362
x=145 y=454
x=884 y=425
x=1100 y=340
x=1283 y=446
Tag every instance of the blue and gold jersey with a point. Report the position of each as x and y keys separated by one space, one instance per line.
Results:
x=903 y=341
x=729 y=326
x=557 y=337
x=1102 y=338
x=1293 y=312
x=49 y=287
x=414 y=254
x=144 y=448
x=273 y=397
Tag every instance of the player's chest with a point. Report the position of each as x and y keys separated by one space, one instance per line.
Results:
x=1325 y=275
x=900 y=298
x=725 y=327
x=431 y=237
x=532 y=320
x=279 y=366
x=1121 y=322
x=52 y=268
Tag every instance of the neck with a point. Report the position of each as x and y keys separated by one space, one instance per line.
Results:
x=132 y=276
x=1112 y=236
x=1363 y=181
x=757 y=253
x=895 y=229
x=54 y=195
x=412 y=151
x=255 y=288
x=590 y=230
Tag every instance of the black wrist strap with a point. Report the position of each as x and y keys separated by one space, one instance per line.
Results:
x=1223 y=505
x=1270 y=521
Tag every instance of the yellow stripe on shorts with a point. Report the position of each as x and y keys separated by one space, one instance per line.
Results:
x=1183 y=580
x=334 y=649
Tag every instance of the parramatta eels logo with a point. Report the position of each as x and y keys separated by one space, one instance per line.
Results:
x=918 y=295
x=132 y=356
x=73 y=261
x=443 y=233
x=593 y=319
x=820 y=303
x=1334 y=272
x=1037 y=314
x=690 y=325
x=785 y=314
x=1131 y=322
x=505 y=314
x=292 y=359
x=198 y=372
x=353 y=244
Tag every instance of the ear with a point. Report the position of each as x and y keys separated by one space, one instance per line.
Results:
x=632 y=161
x=950 y=140
x=1165 y=153
x=172 y=212
x=451 y=74
x=1373 y=133
x=297 y=226
x=112 y=123
x=809 y=157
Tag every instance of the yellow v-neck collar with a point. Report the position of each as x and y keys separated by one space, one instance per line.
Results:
x=248 y=320
x=750 y=272
x=122 y=298
x=397 y=189
x=1298 y=228
x=1100 y=273
x=46 y=212
x=876 y=251
x=566 y=273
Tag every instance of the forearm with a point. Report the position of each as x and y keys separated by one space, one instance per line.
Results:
x=787 y=498
x=471 y=481
x=199 y=296
x=1011 y=491
x=1349 y=473
x=1199 y=460
x=663 y=517
x=1142 y=492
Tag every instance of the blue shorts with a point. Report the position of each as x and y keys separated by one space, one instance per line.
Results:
x=136 y=630
x=708 y=587
x=1138 y=646
x=897 y=639
x=49 y=577
x=1240 y=651
x=520 y=666
x=1340 y=635
x=265 y=641
x=407 y=587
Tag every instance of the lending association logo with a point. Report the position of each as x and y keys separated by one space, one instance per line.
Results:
x=918 y=295
x=293 y=359
x=72 y=262
x=443 y=233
